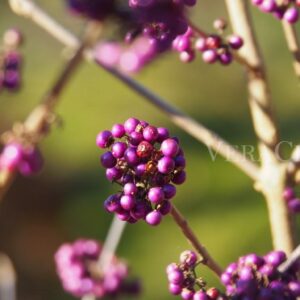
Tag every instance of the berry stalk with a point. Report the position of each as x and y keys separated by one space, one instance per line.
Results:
x=191 y=237
x=273 y=172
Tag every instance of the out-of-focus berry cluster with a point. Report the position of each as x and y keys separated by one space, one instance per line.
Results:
x=214 y=47
x=146 y=162
x=10 y=60
x=288 y=10
x=183 y=280
x=256 y=277
x=293 y=202
x=77 y=270
x=27 y=160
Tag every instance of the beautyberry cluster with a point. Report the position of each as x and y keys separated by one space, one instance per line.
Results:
x=256 y=277
x=27 y=160
x=147 y=28
x=292 y=201
x=288 y=10
x=214 y=47
x=129 y=57
x=183 y=280
x=146 y=162
x=10 y=60
x=77 y=270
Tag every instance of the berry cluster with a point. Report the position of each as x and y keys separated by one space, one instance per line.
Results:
x=292 y=201
x=214 y=47
x=183 y=280
x=10 y=60
x=77 y=269
x=144 y=160
x=129 y=58
x=147 y=28
x=27 y=160
x=255 y=277
x=287 y=11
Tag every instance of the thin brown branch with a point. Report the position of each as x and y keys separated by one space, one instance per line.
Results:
x=273 y=172
x=194 y=128
x=193 y=240
x=37 y=124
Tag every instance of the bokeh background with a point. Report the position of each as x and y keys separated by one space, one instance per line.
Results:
x=64 y=202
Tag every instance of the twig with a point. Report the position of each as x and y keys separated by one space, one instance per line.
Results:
x=191 y=237
x=7 y=279
x=293 y=45
x=37 y=123
x=292 y=41
x=292 y=259
x=197 y=130
x=111 y=243
x=273 y=172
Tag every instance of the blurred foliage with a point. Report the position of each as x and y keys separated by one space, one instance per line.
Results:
x=65 y=201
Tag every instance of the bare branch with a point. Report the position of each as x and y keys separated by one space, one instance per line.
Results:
x=273 y=173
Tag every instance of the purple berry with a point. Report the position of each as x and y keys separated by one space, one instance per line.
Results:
x=175 y=277
x=169 y=191
x=108 y=160
x=104 y=139
x=175 y=289
x=130 y=189
x=150 y=133
x=179 y=178
x=156 y=195
x=166 y=165
x=154 y=218
x=113 y=174
x=131 y=124
x=291 y=15
x=163 y=134
x=169 y=147
x=127 y=202
x=188 y=258
x=131 y=156
x=118 y=131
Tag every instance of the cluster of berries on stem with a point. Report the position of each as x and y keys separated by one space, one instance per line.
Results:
x=10 y=60
x=76 y=265
x=146 y=162
x=183 y=280
x=287 y=11
x=214 y=47
x=25 y=159
x=256 y=277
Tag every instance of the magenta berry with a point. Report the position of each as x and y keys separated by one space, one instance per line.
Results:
x=256 y=277
x=145 y=170
x=73 y=263
x=154 y=218
x=104 y=138
x=183 y=279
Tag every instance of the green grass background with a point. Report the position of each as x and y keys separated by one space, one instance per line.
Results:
x=65 y=201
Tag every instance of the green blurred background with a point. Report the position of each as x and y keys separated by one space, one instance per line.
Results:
x=65 y=201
